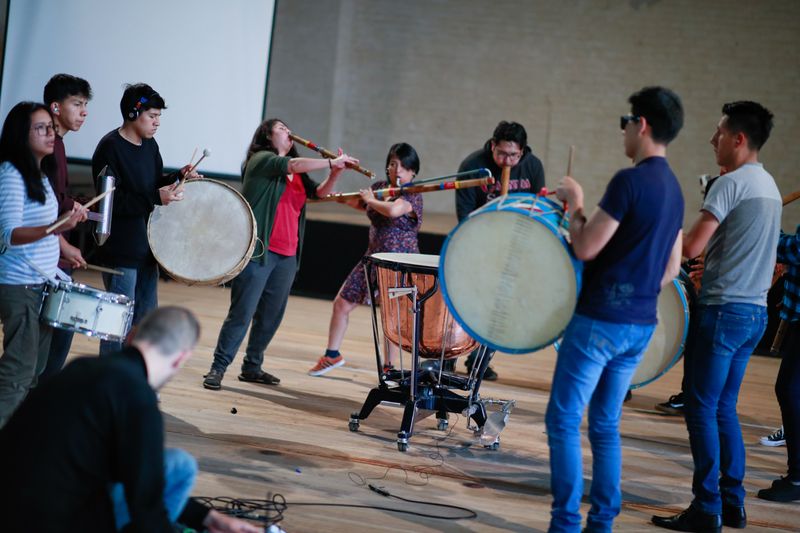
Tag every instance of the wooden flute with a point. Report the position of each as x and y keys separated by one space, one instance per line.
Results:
x=394 y=192
x=330 y=155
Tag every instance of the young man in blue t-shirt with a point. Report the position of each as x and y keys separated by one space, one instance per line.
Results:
x=739 y=225
x=632 y=247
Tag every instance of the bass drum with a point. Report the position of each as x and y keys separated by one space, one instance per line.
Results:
x=508 y=275
x=669 y=339
x=205 y=239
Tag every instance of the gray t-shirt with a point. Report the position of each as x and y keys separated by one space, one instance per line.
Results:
x=741 y=254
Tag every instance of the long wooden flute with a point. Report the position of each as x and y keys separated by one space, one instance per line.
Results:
x=330 y=155
x=394 y=192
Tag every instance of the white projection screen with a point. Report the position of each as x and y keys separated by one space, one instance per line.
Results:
x=209 y=59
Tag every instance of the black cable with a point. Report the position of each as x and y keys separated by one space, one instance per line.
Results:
x=271 y=510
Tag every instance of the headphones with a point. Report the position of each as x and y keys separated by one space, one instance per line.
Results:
x=133 y=114
x=55 y=108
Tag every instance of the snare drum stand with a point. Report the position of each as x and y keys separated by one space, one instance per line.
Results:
x=420 y=388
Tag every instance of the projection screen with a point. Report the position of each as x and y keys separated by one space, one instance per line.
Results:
x=208 y=59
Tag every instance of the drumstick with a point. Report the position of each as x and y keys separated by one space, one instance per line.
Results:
x=115 y=272
x=206 y=153
x=90 y=203
x=565 y=205
x=791 y=197
x=193 y=154
x=571 y=158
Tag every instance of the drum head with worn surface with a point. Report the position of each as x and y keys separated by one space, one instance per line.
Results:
x=666 y=345
x=509 y=280
x=205 y=239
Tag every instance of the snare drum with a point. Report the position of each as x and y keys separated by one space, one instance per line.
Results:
x=439 y=333
x=83 y=309
x=669 y=338
x=205 y=239
x=508 y=275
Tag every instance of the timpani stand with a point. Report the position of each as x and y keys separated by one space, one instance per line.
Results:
x=414 y=317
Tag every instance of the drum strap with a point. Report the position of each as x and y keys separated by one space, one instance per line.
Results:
x=60 y=274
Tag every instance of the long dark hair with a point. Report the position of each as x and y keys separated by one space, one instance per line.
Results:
x=262 y=141
x=16 y=149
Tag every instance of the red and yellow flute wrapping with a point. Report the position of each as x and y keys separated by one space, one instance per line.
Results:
x=330 y=155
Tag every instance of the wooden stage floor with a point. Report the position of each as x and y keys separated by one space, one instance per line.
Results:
x=293 y=439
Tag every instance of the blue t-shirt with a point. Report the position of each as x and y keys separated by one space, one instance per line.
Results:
x=623 y=282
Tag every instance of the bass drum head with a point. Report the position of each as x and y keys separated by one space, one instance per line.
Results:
x=509 y=280
x=205 y=239
x=666 y=345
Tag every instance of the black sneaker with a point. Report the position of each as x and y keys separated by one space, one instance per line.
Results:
x=776 y=438
x=782 y=490
x=673 y=406
x=213 y=380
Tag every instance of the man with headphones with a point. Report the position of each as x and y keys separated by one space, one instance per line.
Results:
x=67 y=97
x=132 y=156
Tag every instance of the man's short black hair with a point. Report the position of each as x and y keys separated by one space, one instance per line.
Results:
x=663 y=110
x=139 y=97
x=512 y=132
x=750 y=118
x=62 y=86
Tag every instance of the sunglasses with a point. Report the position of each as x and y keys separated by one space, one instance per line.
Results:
x=624 y=119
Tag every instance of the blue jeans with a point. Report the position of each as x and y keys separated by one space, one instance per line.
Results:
x=140 y=284
x=180 y=469
x=595 y=364
x=258 y=294
x=724 y=337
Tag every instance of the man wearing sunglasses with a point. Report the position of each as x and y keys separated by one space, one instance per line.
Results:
x=631 y=246
x=508 y=147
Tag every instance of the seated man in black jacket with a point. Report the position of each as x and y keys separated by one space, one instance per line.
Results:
x=93 y=436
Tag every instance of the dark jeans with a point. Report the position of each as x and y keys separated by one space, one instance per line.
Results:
x=140 y=284
x=787 y=389
x=259 y=294
x=60 y=344
x=725 y=337
x=26 y=344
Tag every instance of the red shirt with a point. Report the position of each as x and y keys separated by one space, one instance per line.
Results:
x=285 y=228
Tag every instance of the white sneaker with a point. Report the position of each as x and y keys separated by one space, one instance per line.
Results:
x=774 y=439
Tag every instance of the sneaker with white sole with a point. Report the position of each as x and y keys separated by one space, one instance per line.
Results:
x=775 y=439
x=325 y=365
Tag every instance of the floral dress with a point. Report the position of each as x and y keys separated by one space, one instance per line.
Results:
x=385 y=235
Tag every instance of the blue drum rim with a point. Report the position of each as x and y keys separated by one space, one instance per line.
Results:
x=576 y=270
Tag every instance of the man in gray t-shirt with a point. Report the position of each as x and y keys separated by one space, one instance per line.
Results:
x=739 y=224
x=741 y=252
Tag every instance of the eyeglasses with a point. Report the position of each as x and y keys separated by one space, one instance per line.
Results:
x=507 y=155
x=43 y=130
x=624 y=119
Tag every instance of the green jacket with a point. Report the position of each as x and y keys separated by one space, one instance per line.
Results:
x=264 y=183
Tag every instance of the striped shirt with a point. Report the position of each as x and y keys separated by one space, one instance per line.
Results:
x=19 y=211
x=789 y=254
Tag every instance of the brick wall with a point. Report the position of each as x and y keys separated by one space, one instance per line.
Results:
x=364 y=74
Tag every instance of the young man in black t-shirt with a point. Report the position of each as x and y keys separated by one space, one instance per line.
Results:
x=133 y=158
